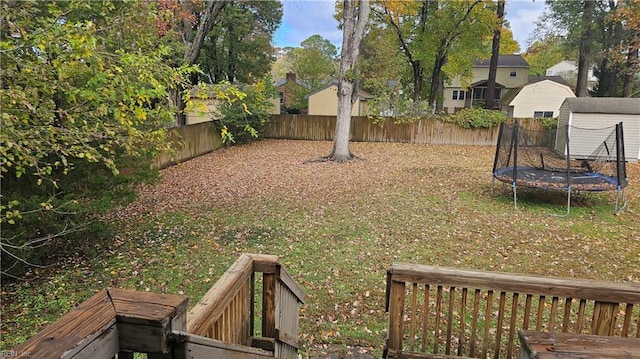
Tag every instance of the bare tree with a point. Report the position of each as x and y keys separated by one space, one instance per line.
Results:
x=355 y=17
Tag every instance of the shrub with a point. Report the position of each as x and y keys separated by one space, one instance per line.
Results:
x=549 y=122
x=64 y=216
x=244 y=120
x=401 y=108
x=474 y=117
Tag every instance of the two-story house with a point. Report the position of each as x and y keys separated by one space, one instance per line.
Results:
x=513 y=72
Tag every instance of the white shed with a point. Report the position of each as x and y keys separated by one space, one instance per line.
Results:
x=599 y=113
x=540 y=97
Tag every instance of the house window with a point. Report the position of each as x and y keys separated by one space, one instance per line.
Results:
x=458 y=95
x=480 y=93
x=513 y=74
x=538 y=114
x=281 y=94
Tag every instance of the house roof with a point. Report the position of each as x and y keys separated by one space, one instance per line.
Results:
x=504 y=61
x=610 y=105
x=483 y=83
x=510 y=95
x=206 y=91
x=563 y=64
x=283 y=81
x=558 y=79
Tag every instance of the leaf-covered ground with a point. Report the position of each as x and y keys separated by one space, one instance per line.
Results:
x=337 y=228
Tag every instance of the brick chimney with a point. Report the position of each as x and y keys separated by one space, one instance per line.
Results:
x=291 y=77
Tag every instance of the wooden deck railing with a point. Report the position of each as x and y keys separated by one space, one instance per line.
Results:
x=120 y=322
x=226 y=312
x=436 y=311
x=112 y=322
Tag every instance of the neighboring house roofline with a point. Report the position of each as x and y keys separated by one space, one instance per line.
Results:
x=503 y=61
x=283 y=81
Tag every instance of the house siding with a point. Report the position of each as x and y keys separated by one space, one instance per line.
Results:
x=563 y=120
x=203 y=110
x=325 y=103
x=481 y=73
x=206 y=110
x=586 y=142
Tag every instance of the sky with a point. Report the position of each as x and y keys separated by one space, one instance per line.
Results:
x=303 y=18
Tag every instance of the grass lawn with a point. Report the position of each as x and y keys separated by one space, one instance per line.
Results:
x=337 y=228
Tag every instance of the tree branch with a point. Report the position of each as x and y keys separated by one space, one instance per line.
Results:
x=214 y=8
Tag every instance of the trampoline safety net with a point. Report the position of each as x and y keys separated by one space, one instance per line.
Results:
x=568 y=158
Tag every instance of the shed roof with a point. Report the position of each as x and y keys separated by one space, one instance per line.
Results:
x=611 y=105
x=558 y=79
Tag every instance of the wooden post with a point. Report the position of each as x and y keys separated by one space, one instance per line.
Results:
x=112 y=321
x=396 y=312
x=146 y=319
x=604 y=318
x=269 y=282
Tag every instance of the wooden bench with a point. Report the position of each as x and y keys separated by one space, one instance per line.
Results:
x=435 y=312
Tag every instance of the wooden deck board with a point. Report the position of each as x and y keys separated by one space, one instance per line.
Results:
x=564 y=345
x=95 y=315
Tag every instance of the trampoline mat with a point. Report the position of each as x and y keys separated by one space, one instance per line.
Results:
x=545 y=179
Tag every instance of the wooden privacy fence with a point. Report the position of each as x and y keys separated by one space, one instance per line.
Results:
x=117 y=323
x=437 y=311
x=188 y=142
x=363 y=129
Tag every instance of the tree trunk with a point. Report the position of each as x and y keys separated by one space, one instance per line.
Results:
x=193 y=46
x=341 y=152
x=436 y=79
x=418 y=72
x=177 y=103
x=585 y=49
x=632 y=61
x=416 y=65
x=353 y=31
x=493 y=65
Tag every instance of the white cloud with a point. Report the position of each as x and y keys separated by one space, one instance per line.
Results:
x=522 y=15
x=302 y=19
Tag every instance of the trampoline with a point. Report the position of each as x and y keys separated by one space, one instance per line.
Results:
x=568 y=159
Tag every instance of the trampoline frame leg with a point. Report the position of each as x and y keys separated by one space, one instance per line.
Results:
x=566 y=214
x=568 y=201
x=515 y=195
x=620 y=195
